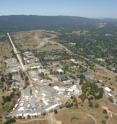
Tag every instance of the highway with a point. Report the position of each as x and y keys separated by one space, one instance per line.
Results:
x=16 y=53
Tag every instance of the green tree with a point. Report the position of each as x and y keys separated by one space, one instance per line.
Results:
x=10 y=120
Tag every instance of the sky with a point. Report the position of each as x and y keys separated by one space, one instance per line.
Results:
x=84 y=8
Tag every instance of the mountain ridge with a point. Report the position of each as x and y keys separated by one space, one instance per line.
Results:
x=31 y=22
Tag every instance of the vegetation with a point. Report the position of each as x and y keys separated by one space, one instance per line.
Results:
x=90 y=90
x=103 y=122
x=94 y=44
x=71 y=103
x=10 y=121
x=8 y=101
x=13 y=23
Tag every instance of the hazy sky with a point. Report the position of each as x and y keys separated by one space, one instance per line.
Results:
x=85 y=8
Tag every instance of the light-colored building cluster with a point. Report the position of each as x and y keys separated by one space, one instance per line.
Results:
x=12 y=65
x=35 y=102
x=40 y=97
x=30 y=61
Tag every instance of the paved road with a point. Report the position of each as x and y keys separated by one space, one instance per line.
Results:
x=16 y=52
x=105 y=69
x=19 y=59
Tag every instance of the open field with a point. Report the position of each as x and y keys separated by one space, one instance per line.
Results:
x=5 y=52
x=5 y=49
x=74 y=117
x=89 y=115
x=113 y=120
x=109 y=105
x=33 y=122
x=97 y=112
x=63 y=117
x=32 y=39
x=52 y=46
x=107 y=78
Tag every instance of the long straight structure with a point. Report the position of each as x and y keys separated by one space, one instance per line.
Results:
x=16 y=52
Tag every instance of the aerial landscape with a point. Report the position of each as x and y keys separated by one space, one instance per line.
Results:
x=58 y=62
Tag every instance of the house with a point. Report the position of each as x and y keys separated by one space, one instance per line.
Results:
x=108 y=92
x=60 y=71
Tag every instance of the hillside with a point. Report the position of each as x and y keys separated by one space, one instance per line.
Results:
x=23 y=22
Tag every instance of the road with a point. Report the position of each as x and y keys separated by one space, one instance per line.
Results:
x=105 y=69
x=19 y=58
x=42 y=44
x=16 y=53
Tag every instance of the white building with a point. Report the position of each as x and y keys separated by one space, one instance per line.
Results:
x=108 y=92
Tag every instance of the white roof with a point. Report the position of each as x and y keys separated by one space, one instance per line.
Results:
x=110 y=94
x=52 y=107
x=108 y=89
x=73 y=60
x=43 y=94
x=60 y=70
x=56 y=88
x=21 y=109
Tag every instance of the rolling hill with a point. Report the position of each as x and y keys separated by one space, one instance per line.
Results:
x=24 y=22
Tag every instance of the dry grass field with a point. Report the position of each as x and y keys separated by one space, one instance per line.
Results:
x=33 y=122
x=5 y=52
x=52 y=46
x=107 y=78
x=74 y=117
x=5 y=49
x=31 y=39
x=113 y=120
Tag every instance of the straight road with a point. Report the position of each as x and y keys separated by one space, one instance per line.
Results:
x=16 y=52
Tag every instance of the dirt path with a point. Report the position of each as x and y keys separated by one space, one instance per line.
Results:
x=50 y=118
x=89 y=115
x=109 y=112
x=53 y=120
x=92 y=117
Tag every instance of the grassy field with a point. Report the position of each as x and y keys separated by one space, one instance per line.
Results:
x=6 y=106
x=113 y=120
x=24 y=40
x=32 y=122
x=30 y=39
x=5 y=52
x=107 y=78
x=71 y=116
x=2 y=64
x=52 y=46
x=5 y=49
x=63 y=117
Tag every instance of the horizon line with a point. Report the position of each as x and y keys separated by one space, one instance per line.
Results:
x=59 y=15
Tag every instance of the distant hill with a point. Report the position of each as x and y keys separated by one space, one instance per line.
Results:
x=24 y=22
